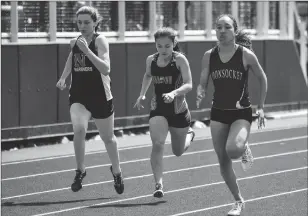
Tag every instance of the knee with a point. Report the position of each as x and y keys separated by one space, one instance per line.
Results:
x=177 y=152
x=158 y=146
x=108 y=139
x=224 y=161
x=235 y=149
x=79 y=130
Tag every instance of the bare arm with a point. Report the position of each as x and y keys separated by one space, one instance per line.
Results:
x=147 y=78
x=254 y=65
x=68 y=65
x=184 y=67
x=204 y=77
x=102 y=61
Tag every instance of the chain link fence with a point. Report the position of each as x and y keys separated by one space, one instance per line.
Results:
x=34 y=15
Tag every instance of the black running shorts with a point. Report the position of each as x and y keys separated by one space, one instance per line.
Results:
x=230 y=116
x=181 y=120
x=99 y=108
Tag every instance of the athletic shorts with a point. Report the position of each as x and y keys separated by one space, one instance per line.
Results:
x=181 y=120
x=230 y=116
x=99 y=109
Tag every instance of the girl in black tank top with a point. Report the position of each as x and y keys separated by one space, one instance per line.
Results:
x=231 y=79
x=228 y=65
x=86 y=78
x=167 y=79
x=90 y=94
x=170 y=72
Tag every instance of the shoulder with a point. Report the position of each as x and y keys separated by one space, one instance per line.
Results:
x=180 y=58
x=249 y=55
x=73 y=42
x=101 y=41
x=207 y=55
x=150 y=58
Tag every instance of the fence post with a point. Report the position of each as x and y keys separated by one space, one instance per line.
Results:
x=234 y=9
x=182 y=21
x=52 y=21
x=208 y=19
x=121 y=14
x=290 y=20
x=14 y=21
x=283 y=18
x=152 y=18
x=260 y=18
x=265 y=18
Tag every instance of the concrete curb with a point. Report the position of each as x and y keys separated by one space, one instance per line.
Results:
x=121 y=123
x=295 y=119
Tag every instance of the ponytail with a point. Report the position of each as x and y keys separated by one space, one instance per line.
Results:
x=177 y=47
x=96 y=27
x=243 y=39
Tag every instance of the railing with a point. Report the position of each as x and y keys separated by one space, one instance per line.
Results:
x=262 y=19
x=192 y=20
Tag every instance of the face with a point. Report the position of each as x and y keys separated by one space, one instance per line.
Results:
x=85 y=24
x=225 y=30
x=164 y=46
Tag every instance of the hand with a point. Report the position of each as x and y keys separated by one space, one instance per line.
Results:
x=261 y=118
x=61 y=84
x=200 y=95
x=168 y=97
x=83 y=45
x=138 y=102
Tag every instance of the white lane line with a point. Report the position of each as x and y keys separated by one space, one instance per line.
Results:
x=148 y=175
x=172 y=191
x=246 y=201
x=146 y=159
x=141 y=146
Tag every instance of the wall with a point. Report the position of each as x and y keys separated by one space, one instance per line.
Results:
x=29 y=74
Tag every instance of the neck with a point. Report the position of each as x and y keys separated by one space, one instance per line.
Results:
x=88 y=37
x=165 y=59
x=229 y=47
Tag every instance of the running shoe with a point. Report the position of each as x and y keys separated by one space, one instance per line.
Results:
x=158 y=193
x=247 y=159
x=118 y=182
x=77 y=184
x=190 y=131
x=237 y=208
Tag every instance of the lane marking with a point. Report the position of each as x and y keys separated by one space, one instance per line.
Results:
x=172 y=191
x=146 y=159
x=246 y=201
x=141 y=146
x=148 y=175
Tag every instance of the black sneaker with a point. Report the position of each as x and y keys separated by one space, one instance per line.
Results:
x=190 y=130
x=76 y=186
x=118 y=182
x=158 y=193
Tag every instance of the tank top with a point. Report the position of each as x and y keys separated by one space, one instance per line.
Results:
x=166 y=79
x=230 y=81
x=87 y=81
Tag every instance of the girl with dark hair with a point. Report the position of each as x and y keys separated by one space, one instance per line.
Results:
x=170 y=72
x=90 y=94
x=228 y=64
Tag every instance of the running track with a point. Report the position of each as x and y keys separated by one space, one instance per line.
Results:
x=276 y=184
